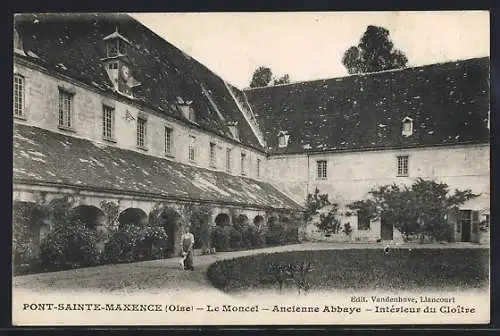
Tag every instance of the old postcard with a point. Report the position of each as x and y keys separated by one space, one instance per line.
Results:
x=251 y=168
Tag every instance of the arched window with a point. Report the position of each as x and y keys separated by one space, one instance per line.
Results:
x=19 y=88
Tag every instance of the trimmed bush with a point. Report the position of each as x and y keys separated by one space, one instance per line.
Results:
x=134 y=243
x=69 y=245
x=221 y=237
x=275 y=234
x=252 y=237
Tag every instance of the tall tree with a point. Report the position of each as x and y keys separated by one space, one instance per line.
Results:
x=262 y=76
x=374 y=52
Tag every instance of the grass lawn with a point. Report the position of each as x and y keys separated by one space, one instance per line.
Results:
x=400 y=269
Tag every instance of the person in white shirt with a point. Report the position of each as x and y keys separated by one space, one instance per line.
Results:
x=187 y=240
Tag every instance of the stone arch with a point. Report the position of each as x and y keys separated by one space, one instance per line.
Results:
x=90 y=215
x=171 y=221
x=132 y=216
x=222 y=219
x=93 y=218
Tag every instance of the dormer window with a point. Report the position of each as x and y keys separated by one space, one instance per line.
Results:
x=407 y=127
x=233 y=127
x=283 y=139
x=187 y=109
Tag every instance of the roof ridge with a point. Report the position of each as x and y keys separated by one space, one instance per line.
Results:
x=371 y=73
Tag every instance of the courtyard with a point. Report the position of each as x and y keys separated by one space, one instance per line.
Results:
x=157 y=276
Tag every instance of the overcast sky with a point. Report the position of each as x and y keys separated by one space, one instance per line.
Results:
x=310 y=45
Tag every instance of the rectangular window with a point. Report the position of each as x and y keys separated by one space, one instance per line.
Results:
x=464 y=220
x=192 y=148
x=258 y=167
x=228 y=159
x=191 y=115
x=168 y=140
x=65 y=109
x=403 y=165
x=321 y=169
x=18 y=96
x=141 y=132
x=243 y=163
x=108 y=121
x=212 y=154
x=363 y=220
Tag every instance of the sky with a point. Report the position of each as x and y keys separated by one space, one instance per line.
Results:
x=310 y=45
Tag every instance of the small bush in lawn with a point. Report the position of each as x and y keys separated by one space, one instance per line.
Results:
x=69 y=245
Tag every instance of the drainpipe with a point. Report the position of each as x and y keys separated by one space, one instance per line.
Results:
x=307 y=174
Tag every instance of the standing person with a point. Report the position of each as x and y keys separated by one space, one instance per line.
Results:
x=187 y=240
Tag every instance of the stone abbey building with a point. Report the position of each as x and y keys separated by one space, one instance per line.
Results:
x=107 y=112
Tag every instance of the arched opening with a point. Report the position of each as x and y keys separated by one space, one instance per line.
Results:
x=258 y=221
x=132 y=216
x=29 y=227
x=170 y=220
x=91 y=216
x=222 y=219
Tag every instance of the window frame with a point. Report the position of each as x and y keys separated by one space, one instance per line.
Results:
x=68 y=119
x=228 y=159
x=111 y=137
x=192 y=148
x=142 y=121
x=243 y=163
x=22 y=96
x=321 y=169
x=168 y=137
x=212 y=154
x=403 y=165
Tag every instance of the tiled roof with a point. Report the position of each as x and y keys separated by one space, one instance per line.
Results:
x=73 y=44
x=42 y=156
x=448 y=103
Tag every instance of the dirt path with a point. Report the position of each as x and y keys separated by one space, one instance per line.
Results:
x=158 y=275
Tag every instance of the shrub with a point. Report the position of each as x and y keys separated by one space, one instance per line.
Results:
x=199 y=217
x=235 y=238
x=221 y=237
x=291 y=234
x=252 y=237
x=275 y=234
x=134 y=243
x=69 y=245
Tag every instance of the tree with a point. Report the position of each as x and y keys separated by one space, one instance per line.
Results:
x=262 y=76
x=374 y=52
x=314 y=202
x=285 y=79
x=420 y=209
